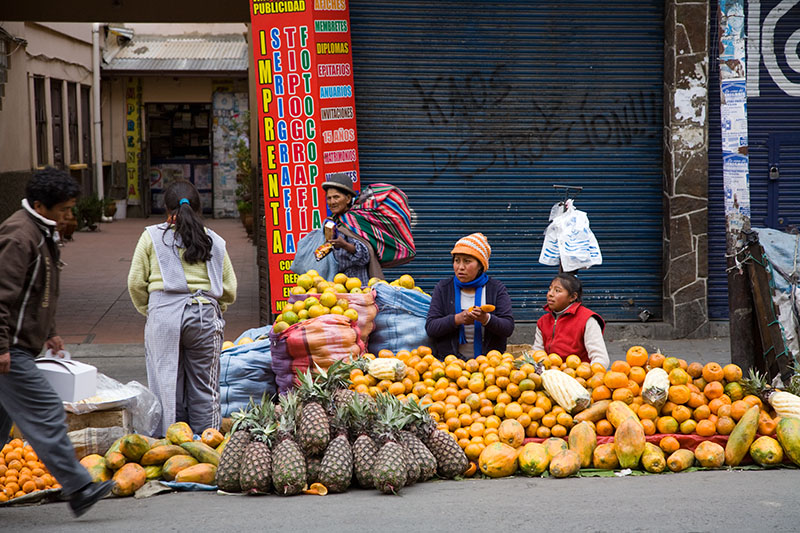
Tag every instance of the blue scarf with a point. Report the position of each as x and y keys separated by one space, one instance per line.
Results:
x=476 y=284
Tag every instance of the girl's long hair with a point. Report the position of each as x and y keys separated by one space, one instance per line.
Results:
x=187 y=221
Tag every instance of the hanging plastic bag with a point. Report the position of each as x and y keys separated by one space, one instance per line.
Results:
x=550 y=254
x=577 y=244
x=305 y=259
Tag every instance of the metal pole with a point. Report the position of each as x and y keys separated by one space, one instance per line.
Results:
x=735 y=173
x=98 y=130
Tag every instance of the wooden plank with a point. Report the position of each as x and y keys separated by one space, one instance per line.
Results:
x=766 y=315
x=101 y=419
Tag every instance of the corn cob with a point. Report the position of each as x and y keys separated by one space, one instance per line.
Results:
x=565 y=390
x=387 y=368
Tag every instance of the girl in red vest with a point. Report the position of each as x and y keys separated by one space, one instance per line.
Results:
x=568 y=327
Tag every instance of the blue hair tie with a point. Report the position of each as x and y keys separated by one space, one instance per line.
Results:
x=183 y=201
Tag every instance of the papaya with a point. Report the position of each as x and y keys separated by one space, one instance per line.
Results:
x=115 y=460
x=564 y=464
x=159 y=454
x=152 y=472
x=618 y=411
x=583 y=440
x=202 y=452
x=134 y=446
x=653 y=458
x=533 y=459
x=788 y=432
x=554 y=446
x=629 y=441
x=593 y=413
x=680 y=460
x=160 y=442
x=211 y=437
x=222 y=444
x=498 y=459
x=605 y=457
x=179 y=432
x=200 y=473
x=96 y=465
x=511 y=432
x=129 y=479
x=710 y=454
x=175 y=464
x=742 y=437
x=766 y=451
x=114 y=447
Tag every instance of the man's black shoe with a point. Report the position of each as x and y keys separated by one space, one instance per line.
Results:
x=82 y=500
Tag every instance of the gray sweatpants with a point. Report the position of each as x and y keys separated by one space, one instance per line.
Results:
x=27 y=399
x=197 y=390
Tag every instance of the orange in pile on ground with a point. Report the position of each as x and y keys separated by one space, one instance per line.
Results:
x=21 y=472
x=471 y=399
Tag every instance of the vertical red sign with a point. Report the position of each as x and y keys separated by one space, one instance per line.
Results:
x=307 y=120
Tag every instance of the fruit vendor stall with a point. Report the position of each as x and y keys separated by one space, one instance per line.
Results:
x=355 y=414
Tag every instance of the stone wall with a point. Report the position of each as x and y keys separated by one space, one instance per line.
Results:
x=686 y=53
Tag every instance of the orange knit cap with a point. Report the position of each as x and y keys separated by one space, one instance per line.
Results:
x=475 y=245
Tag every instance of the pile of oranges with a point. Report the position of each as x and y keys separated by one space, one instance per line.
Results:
x=21 y=472
x=470 y=399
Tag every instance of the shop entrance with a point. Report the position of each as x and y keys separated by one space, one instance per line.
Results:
x=179 y=147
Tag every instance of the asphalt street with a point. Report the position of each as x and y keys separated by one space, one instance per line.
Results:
x=693 y=501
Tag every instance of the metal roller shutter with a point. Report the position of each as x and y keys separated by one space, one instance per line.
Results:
x=774 y=134
x=475 y=109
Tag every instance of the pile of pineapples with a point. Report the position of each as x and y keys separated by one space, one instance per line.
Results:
x=324 y=433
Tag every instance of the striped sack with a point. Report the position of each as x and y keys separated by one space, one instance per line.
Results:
x=381 y=216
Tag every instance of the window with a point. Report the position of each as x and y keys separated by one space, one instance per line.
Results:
x=3 y=69
x=86 y=125
x=41 y=120
x=72 y=123
x=57 y=112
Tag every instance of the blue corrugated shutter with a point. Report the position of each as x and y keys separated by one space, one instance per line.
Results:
x=475 y=109
x=773 y=126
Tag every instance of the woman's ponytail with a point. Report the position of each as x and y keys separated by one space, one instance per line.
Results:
x=183 y=203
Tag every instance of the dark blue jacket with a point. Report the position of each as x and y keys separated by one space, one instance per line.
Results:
x=441 y=324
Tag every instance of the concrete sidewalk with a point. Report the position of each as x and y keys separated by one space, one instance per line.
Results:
x=94 y=306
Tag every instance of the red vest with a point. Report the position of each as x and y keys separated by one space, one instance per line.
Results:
x=564 y=335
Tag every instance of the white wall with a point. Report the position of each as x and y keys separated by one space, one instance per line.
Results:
x=56 y=51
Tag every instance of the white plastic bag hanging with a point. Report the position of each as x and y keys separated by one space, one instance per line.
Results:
x=577 y=244
x=569 y=240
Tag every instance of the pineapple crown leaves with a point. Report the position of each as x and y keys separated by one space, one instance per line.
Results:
x=288 y=419
x=340 y=420
x=390 y=416
x=265 y=433
x=310 y=389
x=264 y=412
x=524 y=359
x=337 y=376
x=360 y=415
x=755 y=382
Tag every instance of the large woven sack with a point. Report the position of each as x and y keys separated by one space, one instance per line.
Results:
x=246 y=372
x=400 y=323
x=363 y=303
x=317 y=341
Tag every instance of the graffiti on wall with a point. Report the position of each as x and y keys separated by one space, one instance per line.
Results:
x=490 y=115
x=776 y=55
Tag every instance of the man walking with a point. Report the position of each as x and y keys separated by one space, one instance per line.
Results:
x=29 y=272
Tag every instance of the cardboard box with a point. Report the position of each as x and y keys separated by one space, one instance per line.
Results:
x=73 y=381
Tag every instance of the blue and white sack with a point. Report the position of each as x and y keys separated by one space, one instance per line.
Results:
x=400 y=322
x=246 y=371
x=305 y=259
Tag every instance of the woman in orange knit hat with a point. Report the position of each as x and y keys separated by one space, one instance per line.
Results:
x=470 y=312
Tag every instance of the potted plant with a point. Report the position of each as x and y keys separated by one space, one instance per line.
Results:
x=88 y=212
x=246 y=215
x=110 y=208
